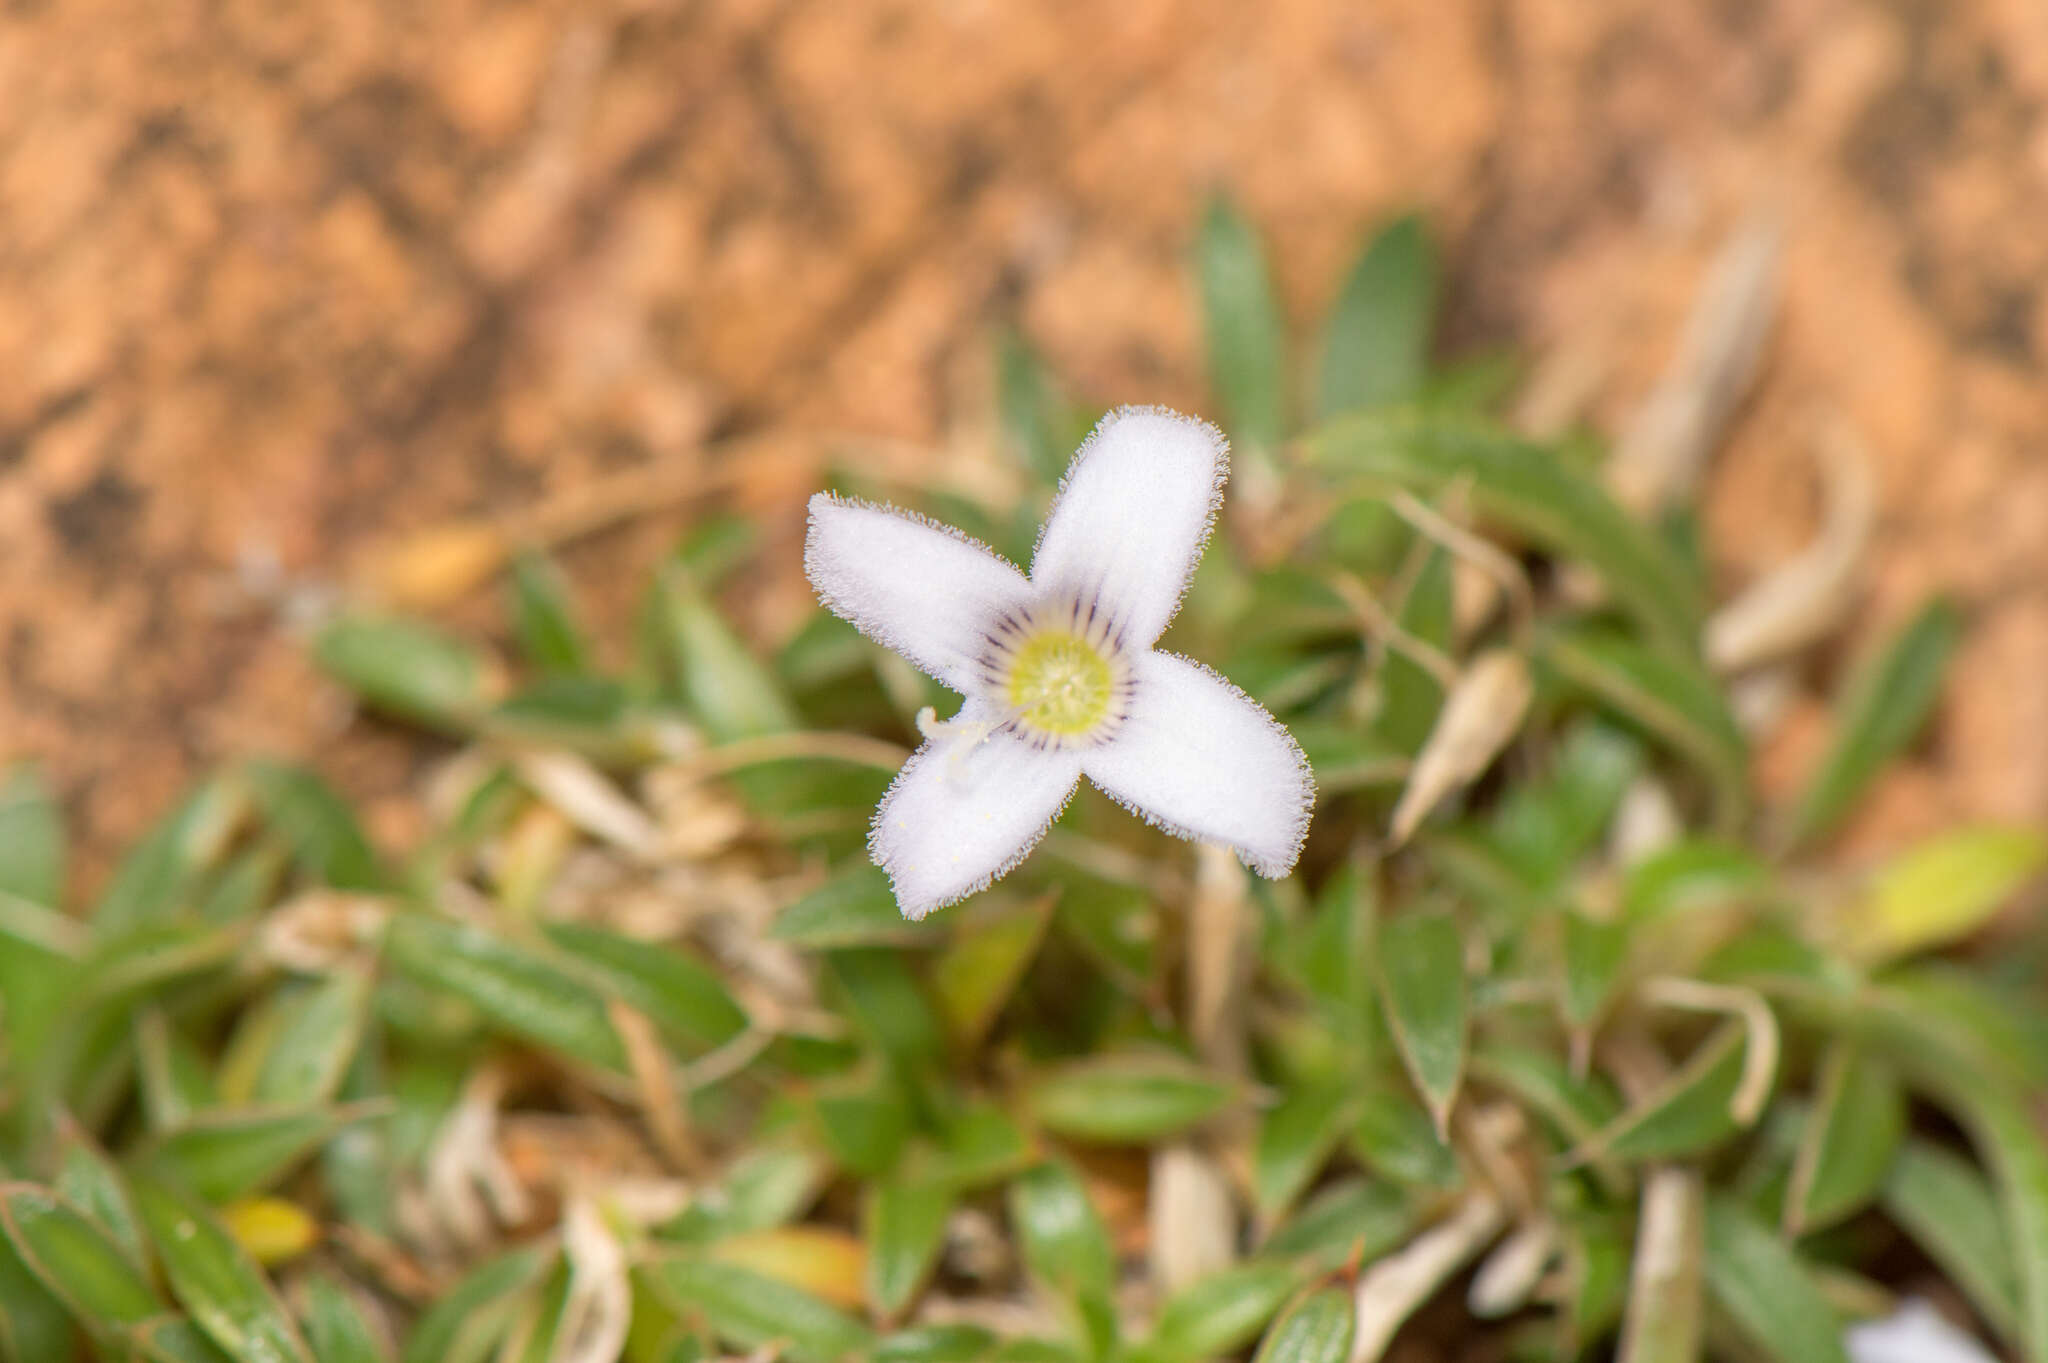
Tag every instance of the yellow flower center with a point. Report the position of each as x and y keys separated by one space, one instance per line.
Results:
x=1060 y=683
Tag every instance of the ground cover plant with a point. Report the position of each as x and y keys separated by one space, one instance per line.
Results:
x=634 y=1054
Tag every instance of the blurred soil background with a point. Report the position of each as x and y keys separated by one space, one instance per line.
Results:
x=282 y=284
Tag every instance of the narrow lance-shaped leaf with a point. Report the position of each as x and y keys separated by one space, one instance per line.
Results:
x=326 y=841
x=1247 y=360
x=904 y=1226
x=1296 y=1138
x=749 y=1310
x=1377 y=346
x=1061 y=1234
x=477 y=1300
x=336 y=1326
x=34 y=1325
x=975 y=976
x=1670 y=695
x=544 y=617
x=1527 y=488
x=1422 y=982
x=1222 y=1312
x=1761 y=1285
x=1941 y=890
x=680 y=994
x=1689 y=1112
x=1316 y=1329
x=1852 y=1133
x=407 y=669
x=514 y=988
x=87 y=1179
x=1880 y=712
x=157 y=874
x=1028 y=407
x=77 y=1261
x=1949 y=1209
x=31 y=838
x=232 y=1152
x=726 y=689
x=1410 y=694
x=1133 y=1099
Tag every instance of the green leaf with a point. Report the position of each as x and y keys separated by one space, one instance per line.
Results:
x=1576 y=1109
x=174 y=1339
x=325 y=839
x=748 y=1310
x=227 y=1153
x=1316 y=1329
x=512 y=987
x=1526 y=488
x=1029 y=408
x=725 y=688
x=463 y=1323
x=336 y=1326
x=1410 y=694
x=936 y=1344
x=855 y=908
x=1851 y=1135
x=407 y=669
x=1247 y=339
x=1422 y=984
x=1880 y=711
x=1063 y=1240
x=544 y=616
x=34 y=1325
x=1224 y=1311
x=31 y=838
x=1942 y=890
x=976 y=1144
x=1377 y=346
x=319 y=1025
x=87 y=1180
x=865 y=1121
x=1689 y=1112
x=681 y=995
x=1671 y=696
x=887 y=1005
x=1762 y=1286
x=158 y=873
x=765 y=1187
x=1354 y=1220
x=1133 y=1098
x=1395 y=1138
x=1296 y=1138
x=978 y=972
x=1593 y=951
x=2010 y=1142
x=1948 y=1207
x=215 y=1280
x=904 y=1224
x=77 y=1261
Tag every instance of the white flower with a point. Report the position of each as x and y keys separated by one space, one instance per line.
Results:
x=1058 y=669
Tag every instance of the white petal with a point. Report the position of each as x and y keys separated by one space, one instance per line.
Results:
x=1915 y=1333
x=1201 y=759
x=921 y=588
x=1132 y=517
x=962 y=812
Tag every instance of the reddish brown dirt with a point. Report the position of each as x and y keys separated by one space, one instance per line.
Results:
x=282 y=281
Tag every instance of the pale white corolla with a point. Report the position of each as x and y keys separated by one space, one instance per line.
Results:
x=1058 y=669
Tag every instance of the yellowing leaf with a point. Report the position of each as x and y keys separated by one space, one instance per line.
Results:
x=827 y=1263
x=1944 y=889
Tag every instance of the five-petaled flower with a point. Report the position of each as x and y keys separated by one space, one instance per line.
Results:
x=1058 y=669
